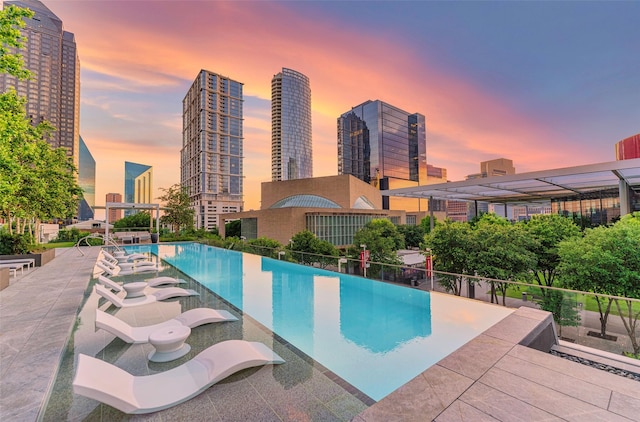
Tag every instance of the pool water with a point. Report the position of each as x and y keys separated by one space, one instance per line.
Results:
x=376 y=336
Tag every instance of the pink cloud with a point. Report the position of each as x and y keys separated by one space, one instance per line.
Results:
x=163 y=45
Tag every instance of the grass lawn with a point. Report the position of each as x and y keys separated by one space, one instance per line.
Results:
x=57 y=245
x=588 y=302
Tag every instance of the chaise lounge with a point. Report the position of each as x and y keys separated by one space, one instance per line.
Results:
x=162 y=294
x=152 y=282
x=131 y=394
x=136 y=335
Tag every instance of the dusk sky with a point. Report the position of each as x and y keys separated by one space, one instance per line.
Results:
x=546 y=84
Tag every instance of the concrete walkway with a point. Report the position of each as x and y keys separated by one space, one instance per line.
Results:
x=37 y=313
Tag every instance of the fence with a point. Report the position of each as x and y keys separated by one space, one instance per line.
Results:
x=604 y=322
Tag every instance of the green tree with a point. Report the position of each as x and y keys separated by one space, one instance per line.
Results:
x=139 y=219
x=413 y=235
x=382 y=239
x=425 y=223
x=549 y=230
x=178 y=212
x=308 y=249
x=563 y=308
x=451 y=244
x=233 y=229
x=502 y=251
x=264 y=246
x=36 y=181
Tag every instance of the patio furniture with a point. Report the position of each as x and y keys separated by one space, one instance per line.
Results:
x=152 y=282
x=162 y=294
x=131 y=394
x=158 y=281
x=169 y=343
x=135 y=289
x=191 y=318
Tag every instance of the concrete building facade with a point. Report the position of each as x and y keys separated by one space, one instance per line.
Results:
x=332 y=207
x=212 y=143
x=114 y=214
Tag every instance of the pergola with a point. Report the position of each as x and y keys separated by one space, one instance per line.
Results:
x=537 y=187
x=129 y=206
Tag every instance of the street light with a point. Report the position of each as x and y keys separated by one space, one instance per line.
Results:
x=340 y=262
x=280 y=254
x=364 y=259
x=430 y=265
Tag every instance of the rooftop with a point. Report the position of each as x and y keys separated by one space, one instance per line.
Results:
x=493 y=377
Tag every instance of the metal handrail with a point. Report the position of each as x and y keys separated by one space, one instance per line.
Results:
x=106 y=240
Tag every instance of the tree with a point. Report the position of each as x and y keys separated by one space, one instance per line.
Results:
x=502 y=251
x=450 y=244
x=36 y=181
x=382 y=239
x=425 y=223
x=178 y=212
x=233 y=229
x=549 y=230
x=308 y=249
x=264 y=246
x=413 y=235
x=563 y=308
x=139 y=219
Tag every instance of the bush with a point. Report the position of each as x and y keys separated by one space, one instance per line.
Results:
x=72 y=235
x=13 y=244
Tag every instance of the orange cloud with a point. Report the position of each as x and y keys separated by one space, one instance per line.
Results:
x=134 y=48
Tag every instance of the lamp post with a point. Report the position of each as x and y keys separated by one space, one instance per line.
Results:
x=430 y=265
x=280 y=254
x=364 y=259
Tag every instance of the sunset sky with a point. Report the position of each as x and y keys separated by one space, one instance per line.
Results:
x=546 y=84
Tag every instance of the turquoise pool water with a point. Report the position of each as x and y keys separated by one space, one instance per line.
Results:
x=374 y=335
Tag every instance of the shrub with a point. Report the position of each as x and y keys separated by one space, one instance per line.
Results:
x=13 y=244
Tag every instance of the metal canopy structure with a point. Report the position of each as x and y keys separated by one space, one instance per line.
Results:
x=534 y=187
x=130 y=206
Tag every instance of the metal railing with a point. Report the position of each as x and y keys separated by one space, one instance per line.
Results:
x=600 y=321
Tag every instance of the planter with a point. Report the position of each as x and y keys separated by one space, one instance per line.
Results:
x=4 y=278
x=40 y=258
x=154 y=237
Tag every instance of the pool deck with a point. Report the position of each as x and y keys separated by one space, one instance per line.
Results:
x=491 y=378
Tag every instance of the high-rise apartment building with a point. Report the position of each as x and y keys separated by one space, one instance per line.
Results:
x=53 y=94
x=138 y=185
x=385 y=146
x=87 y=181
x=211 y=154
x=491 y=168
x=114 y=214
x=291 y=144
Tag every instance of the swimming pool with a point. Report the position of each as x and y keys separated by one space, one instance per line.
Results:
x=374 y=335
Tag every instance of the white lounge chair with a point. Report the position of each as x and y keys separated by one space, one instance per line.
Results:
x=162 y=294
x=164 y=280
x=192 y=318
x=131 y=394
x=152 y=282
x=129 y=257
x=119 y=271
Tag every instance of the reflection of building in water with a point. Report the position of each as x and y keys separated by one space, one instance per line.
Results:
x=380 y=322
x=293 y=314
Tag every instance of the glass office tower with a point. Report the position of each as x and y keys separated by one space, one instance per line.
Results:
x=291 y=143
x=211 y=155
x=385 y=146
x=87 y=181
x=138 y=186
x=53 y=93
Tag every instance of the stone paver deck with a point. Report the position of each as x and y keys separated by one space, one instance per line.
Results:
x=492 y=378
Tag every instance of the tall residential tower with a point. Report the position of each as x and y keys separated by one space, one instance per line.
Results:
x=291 y=144
x=138 y=187
x=211 y=155
x=385 y=146
x=53 y=94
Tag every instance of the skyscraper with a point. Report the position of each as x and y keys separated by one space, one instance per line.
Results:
x=211 y=155
x=291 y=143
x=628 y=148
x=53 y=94
x=114 y=213
x=87 y=181
x=385 y=146
x=138 y=186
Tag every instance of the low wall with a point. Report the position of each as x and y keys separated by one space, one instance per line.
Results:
x=4 y=278
x=40 y=258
